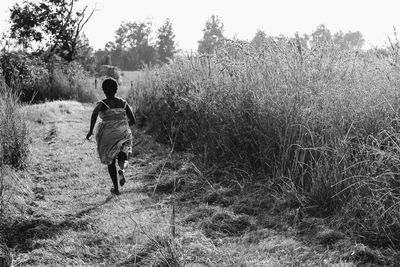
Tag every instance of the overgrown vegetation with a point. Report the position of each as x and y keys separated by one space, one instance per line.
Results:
x=14 y=138
x=14 y=144
x=320 y=124
x=35 y=79
x=133 y=48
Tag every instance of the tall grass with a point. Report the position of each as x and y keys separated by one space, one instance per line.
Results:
x=14 y=141
x=322 y=123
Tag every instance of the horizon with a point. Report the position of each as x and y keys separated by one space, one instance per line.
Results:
x=284 y=18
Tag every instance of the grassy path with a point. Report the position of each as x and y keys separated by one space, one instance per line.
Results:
x=71 y=219
x=74 y=219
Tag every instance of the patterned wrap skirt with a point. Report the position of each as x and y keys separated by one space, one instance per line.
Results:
x=113 y=135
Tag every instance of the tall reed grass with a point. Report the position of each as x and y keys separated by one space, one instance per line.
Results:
x=14 y=138
x=14 y=141
x=323 y=123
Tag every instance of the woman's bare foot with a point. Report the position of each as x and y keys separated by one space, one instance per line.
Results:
x=115 y=192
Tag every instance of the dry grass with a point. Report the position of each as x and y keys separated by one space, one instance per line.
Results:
x=14 y=139
x=69 y=218
x=320 y=123
x=129 y=80
x=14 y=150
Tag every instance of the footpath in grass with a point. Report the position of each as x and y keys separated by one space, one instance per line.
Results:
x=169 y=213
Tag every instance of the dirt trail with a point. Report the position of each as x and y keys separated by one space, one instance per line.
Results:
x=73 y=220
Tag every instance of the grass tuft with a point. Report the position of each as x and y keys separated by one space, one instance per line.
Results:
x=160 y=251
x=223 y=223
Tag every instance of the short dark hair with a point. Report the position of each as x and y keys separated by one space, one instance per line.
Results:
x=110 y=87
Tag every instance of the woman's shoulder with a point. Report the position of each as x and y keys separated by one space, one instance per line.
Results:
x=115 y=102
x=121 y=99
x=123 y=102
x=103 y=103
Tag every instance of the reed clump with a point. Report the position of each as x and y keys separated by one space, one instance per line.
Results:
x=321 y=123
x=14 y=136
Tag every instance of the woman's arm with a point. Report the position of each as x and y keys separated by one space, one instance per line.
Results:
x=93 y=119
x=130 y=115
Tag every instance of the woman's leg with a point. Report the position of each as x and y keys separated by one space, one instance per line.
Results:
x=123 y=164
x=112 y=170
x=122 y=160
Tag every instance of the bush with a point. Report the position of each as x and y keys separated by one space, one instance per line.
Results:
x=322 y=122
x=35 y=80
x=69 y=81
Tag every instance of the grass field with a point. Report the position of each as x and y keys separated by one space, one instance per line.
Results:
x=280 y=156
x=128 y=83
x=63 y=215
x=319 y=126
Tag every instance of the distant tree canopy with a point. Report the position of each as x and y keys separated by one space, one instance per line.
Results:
x=321 y=34
x=50 y=26
x=132 y=48
x=259 y=39
x=213 y=34
x=166 y=46
x=349 y=40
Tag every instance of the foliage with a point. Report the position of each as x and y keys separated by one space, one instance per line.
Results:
x=349 y=40
x=345 y=41
x=52 y=25
x=109 y=71
x=259 y=39
x=14 y=139
x=32 y=79
x=85 y=55
x=23 y=73
x=212 y=35
x=165 y=45
x=321 y=124
x=133 y=34
x=321 y=34
x=132 y=48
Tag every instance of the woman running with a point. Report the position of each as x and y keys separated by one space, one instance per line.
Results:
x=113 y=135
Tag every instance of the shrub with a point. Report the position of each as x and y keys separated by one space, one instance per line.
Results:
x=69 y=81
x=35 y=80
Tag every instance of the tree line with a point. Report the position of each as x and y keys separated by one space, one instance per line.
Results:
x=54 y=27
x=132 y=48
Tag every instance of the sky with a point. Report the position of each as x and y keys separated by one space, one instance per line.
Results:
x=241 y=18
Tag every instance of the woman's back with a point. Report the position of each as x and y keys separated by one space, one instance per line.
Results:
x=111 y=103
x=112 y=109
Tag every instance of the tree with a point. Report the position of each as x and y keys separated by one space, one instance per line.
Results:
x=321 y=34
x=6 y=43
x=52 y=25
x=212 y=35
x=259 y=39
x=133 y=34
x=133 y=44
x=131 y=49
x=85 y=55
x=349 y=40
x=165 y=46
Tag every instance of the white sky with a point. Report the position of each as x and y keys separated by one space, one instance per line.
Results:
x=374 y=19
